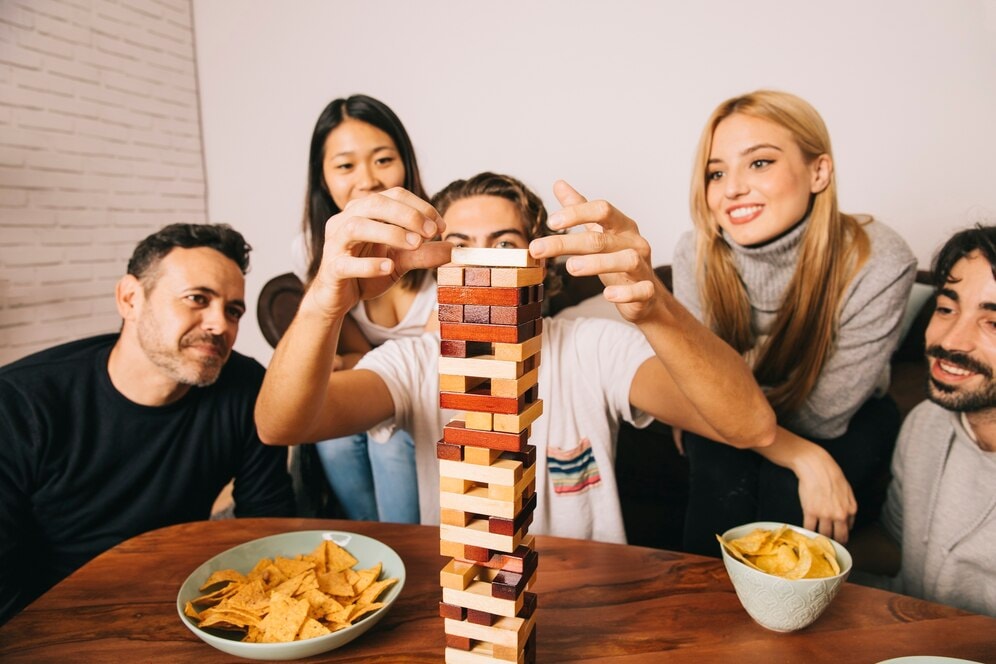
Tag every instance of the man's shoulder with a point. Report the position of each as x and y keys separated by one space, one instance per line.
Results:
x=59 y=357
x=926 y=421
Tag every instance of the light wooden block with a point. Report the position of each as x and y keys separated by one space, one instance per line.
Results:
x=450 y=383
x=478 y=596
x=481 y=653
x=482 y=366
x=455 y=517
x=508 y=277
x=456 y=485
x=492 y=257
x=452 y=275
x=507 y=632
x=451 y=549
x=479 y=421
x=514 y=387
x=478 y=501
x=504 y=471
x=520 y=488
x=516 y=423
x=458 y=575
x=483 y=456
x=518 y=352
x=476 y=533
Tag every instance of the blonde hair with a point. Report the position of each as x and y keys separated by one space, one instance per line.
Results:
x=833 y=249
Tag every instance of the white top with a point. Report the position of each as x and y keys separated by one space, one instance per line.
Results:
x=587 y=367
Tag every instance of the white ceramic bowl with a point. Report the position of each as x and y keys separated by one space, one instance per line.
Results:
x=367 y=551
x=782 y=605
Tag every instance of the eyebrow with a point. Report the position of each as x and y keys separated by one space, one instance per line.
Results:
x=953 y=295
x=753 y=148
x=347 y=153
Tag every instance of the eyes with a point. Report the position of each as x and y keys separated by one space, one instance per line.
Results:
x=384 y=161
x=499 y=244
x=201 y=301
x=755 y=165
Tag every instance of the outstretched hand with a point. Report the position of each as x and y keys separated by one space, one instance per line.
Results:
x=610 y=246
x=371 y=244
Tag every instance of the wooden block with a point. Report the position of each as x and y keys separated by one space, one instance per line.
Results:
x=477 y=554
x=509 y=585
x=518 y=352
x=455 y=517
x=452 y=549
x=527 y=456
x=449 y=452
x=476 y=534
x=458 y=642
x=509 y=526
x=505 y=654
x=511 y=315
x=483 y=456
x=502 y=472
x=516 y=423
x=481 y=653
x=525 y=486
x=507 y=297
x=509 y=387
x=478 y=421
x=456 y=485
x=477 y=276
x=531 y=362
x=478 y=597
x=450 y=313
x=452 y=275
x=452 y=612
x=506 y=277
x=476 y=313
x=480 y=400
x=507 y=632
x=451 y=349
x=485 y=618
x=458 y=574
x=453 y=383
x=485 y=365
x=458 y=434
x=500 y=333
x=528 y=604
x=491 y=257
x=477 y=501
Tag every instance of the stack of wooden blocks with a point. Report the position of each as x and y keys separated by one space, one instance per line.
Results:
x=490 y=327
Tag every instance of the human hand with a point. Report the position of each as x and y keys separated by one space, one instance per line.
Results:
x=610 y=246
x=679 y=444
x=828 y=503
x=371 y=244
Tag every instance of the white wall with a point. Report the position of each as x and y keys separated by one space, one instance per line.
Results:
x=99 y=146
x=608 y=95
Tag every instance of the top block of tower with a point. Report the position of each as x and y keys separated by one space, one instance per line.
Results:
x=493 y=257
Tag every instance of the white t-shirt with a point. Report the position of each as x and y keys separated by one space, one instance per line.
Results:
x=586 y=369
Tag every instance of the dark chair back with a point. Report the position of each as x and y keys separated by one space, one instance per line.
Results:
x=278 y=302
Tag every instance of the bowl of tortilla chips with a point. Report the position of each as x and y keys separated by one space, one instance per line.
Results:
x=784 y=575
x=291 y=595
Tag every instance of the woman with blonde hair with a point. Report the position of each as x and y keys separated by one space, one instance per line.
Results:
x=813 y=298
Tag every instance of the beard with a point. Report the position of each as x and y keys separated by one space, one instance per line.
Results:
x=197 y=371
x=959 y=399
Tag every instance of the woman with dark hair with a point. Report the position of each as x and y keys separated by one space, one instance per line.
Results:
x=360 y=148
x=813 y=298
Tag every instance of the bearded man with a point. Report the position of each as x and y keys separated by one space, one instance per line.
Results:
x=107 y=437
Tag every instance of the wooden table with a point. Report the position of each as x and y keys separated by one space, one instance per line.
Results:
x=597 y=601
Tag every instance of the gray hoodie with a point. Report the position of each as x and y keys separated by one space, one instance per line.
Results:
x=942 y=509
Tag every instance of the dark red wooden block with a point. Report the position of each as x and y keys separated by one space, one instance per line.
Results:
x=476 y=313
x=511 y=334
x=458 y=642
x=451 y=313
x=514 y=315
x=451 y=348
x=503 y=526
x=458 y=434
x=480 y=400
x=527 y=455
x=476 y=554
x=452 y=611
x=449 y=452
x=509 y=297
x=481 y=617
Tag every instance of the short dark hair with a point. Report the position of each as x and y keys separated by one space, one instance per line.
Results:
x=979 y=238
x=529 y=205
x=220 y=237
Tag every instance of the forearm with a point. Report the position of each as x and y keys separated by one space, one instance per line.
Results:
x=296 y=381
x=711 y=375
x=792 y=452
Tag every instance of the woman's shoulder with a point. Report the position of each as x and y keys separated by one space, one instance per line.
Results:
x=886 y=243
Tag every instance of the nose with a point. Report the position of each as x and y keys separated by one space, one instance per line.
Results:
x=735 y=185
x=957 y=334
x=215 y=320
x=366 y=178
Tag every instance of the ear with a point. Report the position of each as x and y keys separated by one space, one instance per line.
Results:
x=822 y=170
x=128 y=296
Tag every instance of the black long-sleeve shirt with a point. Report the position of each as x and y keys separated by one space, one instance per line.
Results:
x=82 y=468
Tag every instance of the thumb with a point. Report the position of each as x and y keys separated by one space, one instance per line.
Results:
x=566 y=194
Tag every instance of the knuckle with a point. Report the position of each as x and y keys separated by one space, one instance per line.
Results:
x=602 y=209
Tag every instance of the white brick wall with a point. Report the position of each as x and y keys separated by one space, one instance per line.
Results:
x=100 y=145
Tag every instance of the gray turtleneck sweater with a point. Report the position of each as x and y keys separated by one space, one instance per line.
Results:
x=870 y=318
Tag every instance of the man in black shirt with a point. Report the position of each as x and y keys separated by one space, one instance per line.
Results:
x=105 y=438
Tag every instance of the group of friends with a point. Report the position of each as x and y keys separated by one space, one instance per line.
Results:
x=770 y=361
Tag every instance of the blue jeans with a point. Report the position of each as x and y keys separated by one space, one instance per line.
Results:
x=373 y=481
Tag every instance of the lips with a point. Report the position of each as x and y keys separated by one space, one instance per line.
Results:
x=742 y=214
x=953 y=367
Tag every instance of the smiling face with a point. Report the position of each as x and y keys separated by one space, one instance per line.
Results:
x=758 y=182
x=485 y=222
x=186 y=323
x=961 y=338
x=360 y=160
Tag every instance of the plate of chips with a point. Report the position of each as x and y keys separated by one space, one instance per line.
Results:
x=291 y=595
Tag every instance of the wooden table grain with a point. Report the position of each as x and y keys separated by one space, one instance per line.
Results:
x=597 y=602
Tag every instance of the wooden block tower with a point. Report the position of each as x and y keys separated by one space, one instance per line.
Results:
x=490 y=327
